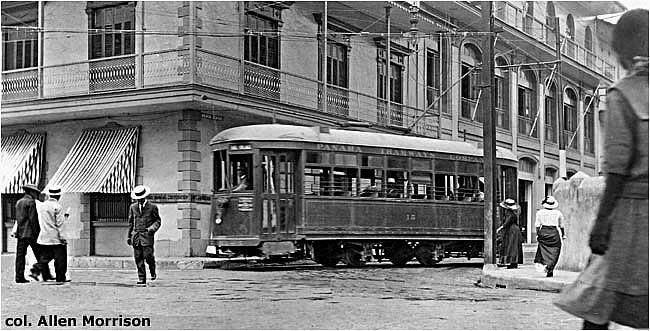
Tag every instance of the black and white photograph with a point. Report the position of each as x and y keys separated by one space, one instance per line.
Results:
x=324 y=165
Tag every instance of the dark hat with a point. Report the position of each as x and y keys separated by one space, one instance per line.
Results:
x=53 y=190
x=31 y=187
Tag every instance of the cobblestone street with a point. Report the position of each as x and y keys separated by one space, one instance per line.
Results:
x=373 y=297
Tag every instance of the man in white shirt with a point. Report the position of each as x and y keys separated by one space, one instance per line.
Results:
x=54 y=247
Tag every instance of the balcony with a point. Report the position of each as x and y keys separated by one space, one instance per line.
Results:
x=230 y=74
x=526 y=125
x=509 y=14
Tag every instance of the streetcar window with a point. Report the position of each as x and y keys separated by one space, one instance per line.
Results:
x=396 y=184
x=445 y=166
x=469 y=168
x=397 y=162
x=220 y=177
x=372 y=161
x=468 y=188
x=241 y=172
x=421 y=185
x=316 y=180
x=445 y=186
x=345 y=182
x=421 y=164
x=345 y=159
x=287 y=170
x=371 y=183
x=317 y=157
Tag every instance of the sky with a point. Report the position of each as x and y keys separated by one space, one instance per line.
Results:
x=631 y=4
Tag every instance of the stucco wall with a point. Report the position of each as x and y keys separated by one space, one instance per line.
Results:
x=299 y=55
x=221 y=17
x=65 y=47
x=161 y=16
x=578 y=200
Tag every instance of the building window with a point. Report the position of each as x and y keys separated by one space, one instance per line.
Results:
x=337 y=64
x=589 y=126
x=262 y=41
x=589 y=45
x=529 y=18
x=550 y=110
x=470 y=58
x=570 y=119
x=433 y=77
x=106 y=43
x=501 y=84
x=396 y=67
x=20 y=47
x=550 y=23
x=526 y=107
x=571 y=35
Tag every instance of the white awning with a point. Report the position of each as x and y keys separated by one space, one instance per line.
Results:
x=22 y=161
x=101 y=161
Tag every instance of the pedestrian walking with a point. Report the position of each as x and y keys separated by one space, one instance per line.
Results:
x=52 y=245
x=26 y=229
x=549 y=243
x=614 y=285
x=512 y=253
x=144 y=221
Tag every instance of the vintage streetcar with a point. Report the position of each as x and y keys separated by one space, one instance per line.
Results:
x=351 y=196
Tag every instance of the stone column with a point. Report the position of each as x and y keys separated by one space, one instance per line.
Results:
x=455 y=90
x=189 y=177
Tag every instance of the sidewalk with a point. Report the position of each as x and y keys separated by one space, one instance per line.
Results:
x=526 y=277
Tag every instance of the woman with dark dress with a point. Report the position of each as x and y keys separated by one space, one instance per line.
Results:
x=512 y=251
x=614 y=285
x=549 y=244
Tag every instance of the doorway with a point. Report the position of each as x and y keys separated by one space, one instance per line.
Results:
x=525 y=198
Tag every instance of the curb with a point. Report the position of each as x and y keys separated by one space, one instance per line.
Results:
x=495 y=277
x=161 y=263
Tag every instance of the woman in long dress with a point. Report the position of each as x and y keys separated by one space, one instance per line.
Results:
x=512 y=251
x=614 y=285
x=547 y=222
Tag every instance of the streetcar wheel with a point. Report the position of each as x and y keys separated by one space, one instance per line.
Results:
x=425 y=254
x=352 y=257
x=327 y=254
x=399 y=253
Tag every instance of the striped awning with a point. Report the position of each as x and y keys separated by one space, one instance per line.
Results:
x=21 y=161
x=101 y=161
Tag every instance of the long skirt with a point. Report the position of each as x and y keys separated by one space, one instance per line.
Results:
x=614 y=287
x=549 y=245
x=512 y=250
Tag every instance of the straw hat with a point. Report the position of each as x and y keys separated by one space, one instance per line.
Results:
x=31 y=187
x=509 y=204
x=140 y=192
x=549 y=202
x=53 y=190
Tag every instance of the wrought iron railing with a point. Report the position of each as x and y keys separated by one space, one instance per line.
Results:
x=174 y=67
x=567 y=135
x=515 y=17
x=526 y=125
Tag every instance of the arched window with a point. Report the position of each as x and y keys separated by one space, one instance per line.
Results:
x=589 y=45
x=550 y=110
x=589 y=125
x=526 y=98
x=550 y=23
x=501 y=84
x=571 y=36
x=570 y=120
x=470 y=58
x=550 y=176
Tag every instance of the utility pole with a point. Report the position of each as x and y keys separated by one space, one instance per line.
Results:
x=560 y=99
x=487 y=101
x=388 y=94
x=324 y=63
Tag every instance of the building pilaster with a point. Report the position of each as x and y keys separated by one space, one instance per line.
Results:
x=189 y=177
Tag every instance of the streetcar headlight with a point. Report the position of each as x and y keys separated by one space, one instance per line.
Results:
x=218 y=220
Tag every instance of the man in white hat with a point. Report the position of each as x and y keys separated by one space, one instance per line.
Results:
x=53 y=247
x=26 y=229
x=144 y=221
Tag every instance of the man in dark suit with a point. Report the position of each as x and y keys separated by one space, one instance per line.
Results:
x=144 y=221
x=27 y=229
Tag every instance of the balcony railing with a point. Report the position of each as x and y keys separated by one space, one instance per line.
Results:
x=567 y=135
x=173 y=68
x=525 y=125
x=550 y=135
x=515 y=17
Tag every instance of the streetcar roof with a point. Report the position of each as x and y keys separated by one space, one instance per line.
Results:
x=281 y=132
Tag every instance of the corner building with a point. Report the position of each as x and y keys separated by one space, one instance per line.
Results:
x=102 y=96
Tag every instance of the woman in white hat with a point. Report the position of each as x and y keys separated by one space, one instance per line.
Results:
x=547 y=222
x=512 y=251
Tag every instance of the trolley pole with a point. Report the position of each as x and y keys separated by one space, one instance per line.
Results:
x=487 y=102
